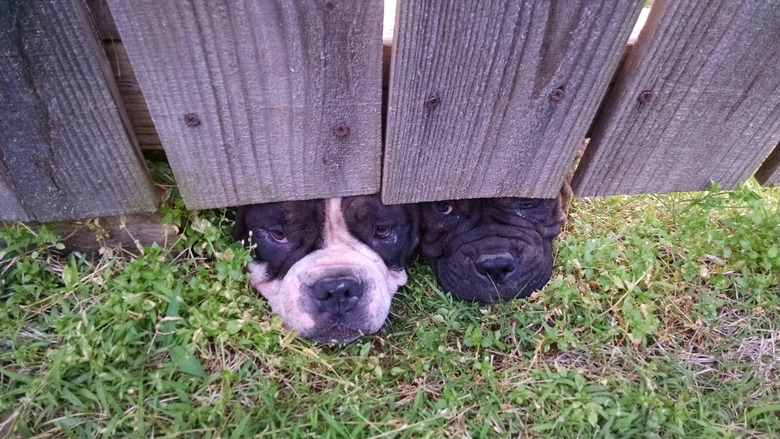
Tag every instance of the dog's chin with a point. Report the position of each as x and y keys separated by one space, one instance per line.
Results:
x=337 y=333
x=467 y=288
x=346 y=328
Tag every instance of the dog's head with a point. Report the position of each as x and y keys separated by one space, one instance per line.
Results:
x=329 y=267
x=492 y=249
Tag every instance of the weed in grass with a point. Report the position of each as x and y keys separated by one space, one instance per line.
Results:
x=661 y=320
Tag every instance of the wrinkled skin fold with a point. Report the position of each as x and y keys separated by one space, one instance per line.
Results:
x=492 y=249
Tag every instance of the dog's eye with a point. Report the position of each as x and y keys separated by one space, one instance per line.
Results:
x=443 y=207
x=529 y=203
x=278 y=236
x=382 y=231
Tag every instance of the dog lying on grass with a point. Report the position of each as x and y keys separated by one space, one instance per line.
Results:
x=492 y=249
x=329 y=268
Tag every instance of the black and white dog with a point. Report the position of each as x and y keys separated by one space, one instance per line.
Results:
x=329 y=267
x=492 y=249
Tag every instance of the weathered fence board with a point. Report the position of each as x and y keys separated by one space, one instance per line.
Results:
x=104 y=23
x=127 y=83
x=11 y=208
x=769 y=173
x=132 y=97
x=493 y=98
x=698 y=101
x=261 y=101
x=66 y=151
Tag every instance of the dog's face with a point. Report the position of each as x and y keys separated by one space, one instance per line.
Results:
x=491 y=249
x=330 y=267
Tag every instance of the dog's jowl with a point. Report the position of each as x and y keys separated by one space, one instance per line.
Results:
x=330 y=267
x=492 y=249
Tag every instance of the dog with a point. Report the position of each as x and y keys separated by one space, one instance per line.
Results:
x=492 y=249
x=330 y=267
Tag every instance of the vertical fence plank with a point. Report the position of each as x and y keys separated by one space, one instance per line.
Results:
x=65 y=148
x=132 y=98
x=104 y=23
x=769 y=173
x=493 y=98
x=259 y=101
x=11 y=207
x=698 y=101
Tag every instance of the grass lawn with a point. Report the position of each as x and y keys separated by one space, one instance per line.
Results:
x=661 y=320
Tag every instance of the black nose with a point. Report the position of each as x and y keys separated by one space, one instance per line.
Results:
x=341 y=293
x=496 y=266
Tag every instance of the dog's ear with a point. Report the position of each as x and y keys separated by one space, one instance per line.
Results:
x=564 y=198
x=565 y=195
x=240 y=231
x=561 y=210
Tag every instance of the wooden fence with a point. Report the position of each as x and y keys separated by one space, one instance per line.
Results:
x=260 y=101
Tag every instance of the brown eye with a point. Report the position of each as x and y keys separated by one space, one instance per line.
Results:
x=382 y=231
x=443 y=207
x=278 y=236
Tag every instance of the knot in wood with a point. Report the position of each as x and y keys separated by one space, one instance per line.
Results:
x=192 y=120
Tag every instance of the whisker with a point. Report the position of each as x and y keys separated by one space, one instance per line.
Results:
x=495 y=287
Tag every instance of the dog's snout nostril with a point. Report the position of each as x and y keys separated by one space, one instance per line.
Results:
x=342 y=292
x=495 y=266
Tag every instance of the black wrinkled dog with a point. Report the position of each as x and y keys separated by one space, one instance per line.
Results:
x=329 y=267
x=492 y=249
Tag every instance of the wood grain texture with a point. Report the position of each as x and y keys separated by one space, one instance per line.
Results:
x=129 y=90
x=128 y=231
x=132 y=97
x=713 y=68
x=769 y=172
x=11 y=206
x=104 y=22
x=493 y=65
x=66 y=150
x=268 y=81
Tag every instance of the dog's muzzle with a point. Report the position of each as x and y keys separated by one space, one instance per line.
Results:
x=494 y=268
x=333 y=295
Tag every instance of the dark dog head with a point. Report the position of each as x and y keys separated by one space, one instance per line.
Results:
x=492 y=249
x=330 y=267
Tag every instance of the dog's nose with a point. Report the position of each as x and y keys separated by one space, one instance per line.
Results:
x=341 y=293
x=496 y=266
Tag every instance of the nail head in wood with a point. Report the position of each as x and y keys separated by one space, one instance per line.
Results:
x=645 y=96
x=557 y=94
x=341 y=130
x=432 y=102
x=192 y=120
